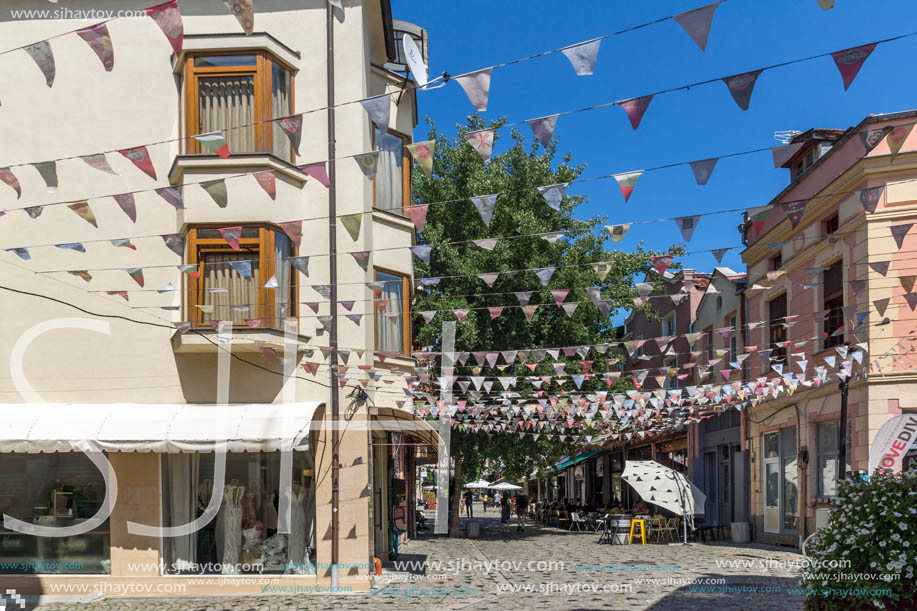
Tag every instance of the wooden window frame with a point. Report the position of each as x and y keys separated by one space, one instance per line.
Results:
x=262 y=73
x=832 y=224
x=406 y=328
x=834 y=314
x=407 y=168
x=264 y=243
x=776 y=331
x=708 y=344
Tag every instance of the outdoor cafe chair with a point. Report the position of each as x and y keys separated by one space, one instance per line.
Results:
x=576 y=520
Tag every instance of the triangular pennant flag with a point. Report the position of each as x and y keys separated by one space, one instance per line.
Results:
x=352 y=223
x=215 y=142
x=718 y=253
x=661 y=262
x=85 y=275
x=378 y=108
x=126 y=203
x=8 y=178
x=794 y=211
x=899 y=231
x=418 y=215
x=627 y=182
x=529 y=311
x=703 y=169
x=582 y=56
x=849 y=62
x=300 y=263
x=543 y=128
x=551 y=237
x=98 y=39
x=758 y=216
x=244 y=12
x=75 y=246
x=487 y=243
x=782 y=154
x=461 y=315
x=362 y=258
x=485 y=205
x=243 y=268
x=869 y=198
x=354 y=318
x=872 y=137
x=190 y=269
x=48 y=171
x=140 y=157
x=826 y=4
x=896 y=138
x=368 y=163
x=428 y=315
x=881 y=305
x=325 y=322
x=907 y=283
x=231 y=235
x=22 y=253
x=293 y=230
x=617 y=232
x=697 y=23
x=123 y=295
x=477 y=87
x=136 y=273
x=482 y=141
x=636 y=108
x=318 y=171
x=495 y=311
x=880 y=267
x=523 y=297
x=217 y=190
x=175 y=242
x=267 y=181
x=33 y=211
x=559 y=295
x=687 y=225
x=85 y=212
x=44 y=57
x=489 y=278
x=422 y=253
x=570 y=308
x=601 y=270
x=911 y=299
x=545 y=274
x=423 y=155
x=271 y=283
x=123 y=243
x=741 y=87
x=168 y=18
x=292 y=127
x=553 y=194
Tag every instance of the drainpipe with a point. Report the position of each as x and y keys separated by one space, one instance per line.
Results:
x=333 y=278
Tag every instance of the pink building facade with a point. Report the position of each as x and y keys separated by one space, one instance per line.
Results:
x=829 y=275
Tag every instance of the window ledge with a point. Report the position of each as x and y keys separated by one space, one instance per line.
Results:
x=237 y=163
x=396 y=362
x=204 y=340
x=393 y=218
x=258 y=41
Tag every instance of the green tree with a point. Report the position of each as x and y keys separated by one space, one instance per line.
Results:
x=521 y=214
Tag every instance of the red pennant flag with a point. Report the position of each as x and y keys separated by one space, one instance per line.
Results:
x=232 y=236
x=318 y=172
x=98 y=39
x=312 y=368
x=849 y=62
x=661 y=262
x=141 y=158
x=293 y=229
x=635 y=109
x=267 y=181
x=418 y=215
x=168 y=18
x=122 y=294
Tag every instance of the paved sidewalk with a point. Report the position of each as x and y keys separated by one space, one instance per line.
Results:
x=543 y=568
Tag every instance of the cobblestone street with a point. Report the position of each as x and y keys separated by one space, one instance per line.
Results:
x=574 y=580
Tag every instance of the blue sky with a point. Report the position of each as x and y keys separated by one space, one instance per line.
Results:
x=684 y=126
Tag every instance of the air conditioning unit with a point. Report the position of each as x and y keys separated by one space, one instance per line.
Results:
x=822 y=516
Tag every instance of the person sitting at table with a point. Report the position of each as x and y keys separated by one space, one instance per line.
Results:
x=641 y=509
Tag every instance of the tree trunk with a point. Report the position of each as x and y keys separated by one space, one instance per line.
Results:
x=454 y=496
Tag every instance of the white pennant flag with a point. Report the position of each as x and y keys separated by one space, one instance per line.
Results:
x=687 y=225
x=485 y=205
x=477 y=87
x=378 y=109
x=697 y=23
x=582 y=56
x=553 y=194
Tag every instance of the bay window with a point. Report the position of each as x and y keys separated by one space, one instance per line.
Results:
x=392 y=187
x=239 y=94
x=392 y=306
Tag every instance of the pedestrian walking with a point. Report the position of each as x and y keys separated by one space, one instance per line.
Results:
x=504 y=512
x=469 y=499
x=522 y=505
x=484 y=502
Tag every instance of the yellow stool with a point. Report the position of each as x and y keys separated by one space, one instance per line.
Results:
x=642 y=533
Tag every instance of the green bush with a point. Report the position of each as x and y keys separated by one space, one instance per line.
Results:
x=874 y=527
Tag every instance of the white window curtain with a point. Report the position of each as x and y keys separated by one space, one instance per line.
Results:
x=389 y=173
x=280 y=107
x=181 y=504
x=228 y=102
x=389 y=327
x=283 y=247
x=224 y=287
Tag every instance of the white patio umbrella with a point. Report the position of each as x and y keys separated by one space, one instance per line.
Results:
x=666 y=488
x=506 y=486
x=481 y=483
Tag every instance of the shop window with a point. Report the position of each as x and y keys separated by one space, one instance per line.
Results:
x=781 y=481
x=826 y=434
x=243 y=537
x=58 y=489
x=240 y=94
x=777 y=315
x=834 y=304
x=393 y=313
x=230 y=284
x=392 y=187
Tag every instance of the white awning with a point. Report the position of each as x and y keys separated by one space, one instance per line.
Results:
x=151 y=427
